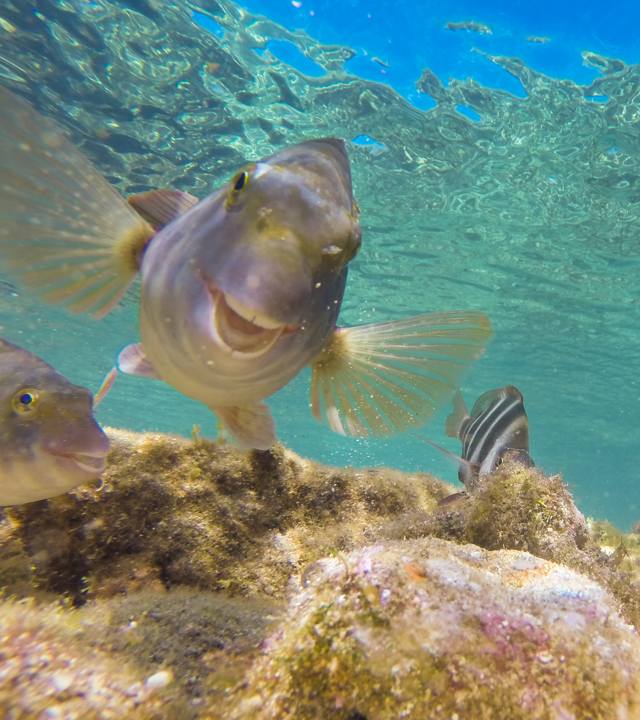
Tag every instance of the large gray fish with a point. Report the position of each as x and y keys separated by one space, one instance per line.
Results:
x=497 y=425
x=239 y=291
x=49 y=441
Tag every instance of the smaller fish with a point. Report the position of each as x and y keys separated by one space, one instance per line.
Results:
x=538 y=39
x=380 y=61
x=470 y=26
x=496 y=427
x=49 y=440
x=497 y=424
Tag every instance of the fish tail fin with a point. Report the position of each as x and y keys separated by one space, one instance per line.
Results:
x=454 y=421
x=65 y=230
x=250 y=426
x=381 y=379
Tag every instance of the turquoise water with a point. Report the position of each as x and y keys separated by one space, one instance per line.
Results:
x=504 y=185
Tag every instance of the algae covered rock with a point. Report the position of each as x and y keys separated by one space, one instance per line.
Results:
x=174 y=512
x=430 y=629
x=198 y=581
x=521 y=508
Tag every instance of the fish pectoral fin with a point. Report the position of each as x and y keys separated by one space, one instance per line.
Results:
x=105 y=386
x=381 y=379
x=250 y=426
x=133 y=361
x=460 y=462
x=66 y=232
x=160 y=207
x=454 y=421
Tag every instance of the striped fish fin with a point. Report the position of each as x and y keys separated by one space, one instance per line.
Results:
x=381 y=379
x=65 y=231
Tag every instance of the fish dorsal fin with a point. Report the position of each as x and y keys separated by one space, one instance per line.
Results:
x=132 y=360
x=454 y=422
x=160 y=207
x=250 y=426
x=487 y=399
x=65 y=230
x=381 y=379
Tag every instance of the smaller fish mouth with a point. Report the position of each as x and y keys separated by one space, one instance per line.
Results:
x=241 y=330
x=93 y=464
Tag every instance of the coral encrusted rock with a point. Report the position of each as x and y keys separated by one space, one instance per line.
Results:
x=429 y=629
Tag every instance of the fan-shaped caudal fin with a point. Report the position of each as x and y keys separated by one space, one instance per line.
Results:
x=65 y=231
x=381 y=379
x=250 y=426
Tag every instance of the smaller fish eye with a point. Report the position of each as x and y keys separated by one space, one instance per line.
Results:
x=25 y=400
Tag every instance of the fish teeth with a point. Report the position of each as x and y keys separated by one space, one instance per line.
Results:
x=90 y=463
x=236 y=342
x=250 y=315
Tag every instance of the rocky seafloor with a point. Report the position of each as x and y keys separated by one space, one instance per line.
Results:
x=198 y=581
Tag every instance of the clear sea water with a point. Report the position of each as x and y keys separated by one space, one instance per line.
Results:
x=510 y=184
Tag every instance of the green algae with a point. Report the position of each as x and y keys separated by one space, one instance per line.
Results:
x=171 y=512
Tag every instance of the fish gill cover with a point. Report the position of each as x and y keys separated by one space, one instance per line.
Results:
x=526 y=208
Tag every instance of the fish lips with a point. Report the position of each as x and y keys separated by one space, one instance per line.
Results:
x=90 y=459
x=253 y=300
x=240 y=329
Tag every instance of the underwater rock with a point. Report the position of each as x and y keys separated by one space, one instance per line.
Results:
x=172 y=576
x=429 y=629
x=48 y=670
x=176 y=512
x=520 y=508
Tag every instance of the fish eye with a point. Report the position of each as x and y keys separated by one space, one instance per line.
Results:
x=25 y=401
x=238 y=184
x=240 y=181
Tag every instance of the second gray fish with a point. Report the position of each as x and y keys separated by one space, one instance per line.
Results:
x=49 y=440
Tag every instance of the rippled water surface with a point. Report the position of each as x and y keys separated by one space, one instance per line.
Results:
x=522 y=201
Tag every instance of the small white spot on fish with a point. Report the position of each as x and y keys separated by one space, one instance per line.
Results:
x=331 y=250
x=254 y=281
x=318 y=285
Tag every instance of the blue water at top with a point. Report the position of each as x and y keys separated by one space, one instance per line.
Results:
x=408 y=36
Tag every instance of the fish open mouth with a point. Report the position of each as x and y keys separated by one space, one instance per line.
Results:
x=241 y=330
x=93 y=464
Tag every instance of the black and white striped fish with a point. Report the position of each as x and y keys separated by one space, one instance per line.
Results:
x=496 y=425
